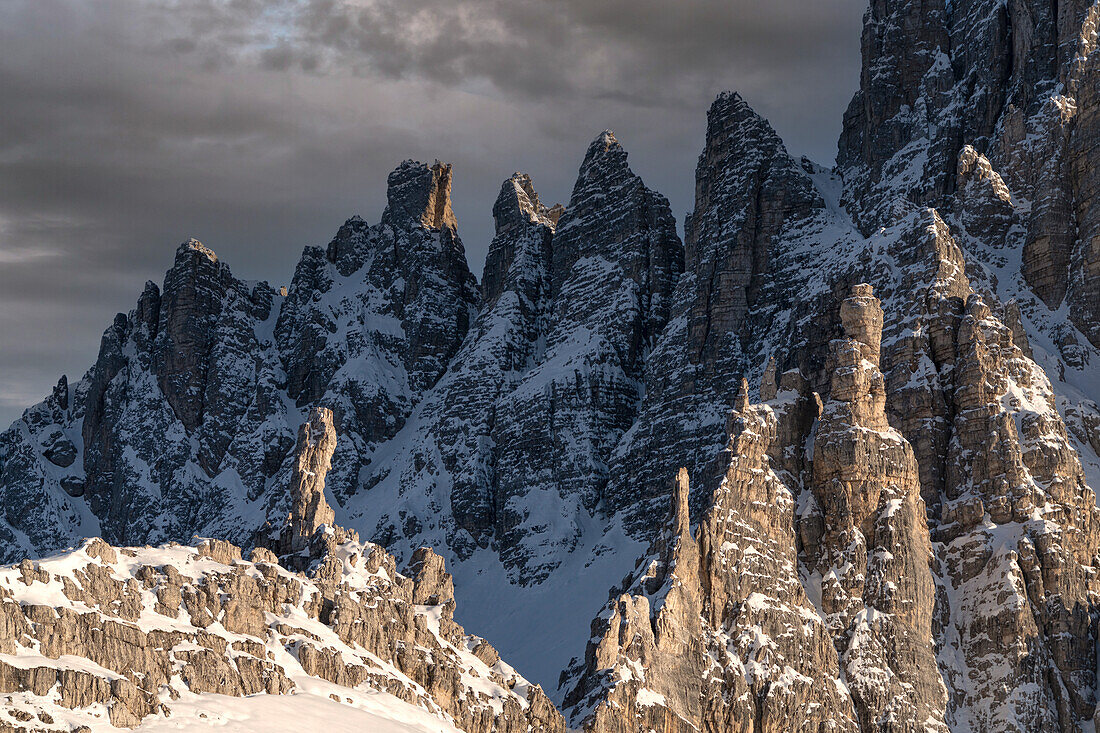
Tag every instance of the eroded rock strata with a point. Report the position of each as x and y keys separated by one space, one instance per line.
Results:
x=130 y=630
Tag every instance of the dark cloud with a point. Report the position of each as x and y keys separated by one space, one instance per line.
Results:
x=258 y=126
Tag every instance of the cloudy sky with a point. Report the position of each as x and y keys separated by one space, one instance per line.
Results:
x=127 y=126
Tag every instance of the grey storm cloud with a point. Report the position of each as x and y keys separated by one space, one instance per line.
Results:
x=127 y=126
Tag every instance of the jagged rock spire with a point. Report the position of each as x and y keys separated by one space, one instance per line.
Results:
x=420 y=193
x=873 y=550
x=309 y=531
x=193 y=292
x=653 y=623
x=681 y=519
x=721 y=616
x=749 y=194
x=518 y=203
x=769 y=387
x=451 y=450
x=309 y=508
x=861 y=318
x=856 y=379
x=641 y=238
x=615 y=260
x=747 y=187
x=741 y=401
x=60 y=394
x=524 y=227
x=676 y=549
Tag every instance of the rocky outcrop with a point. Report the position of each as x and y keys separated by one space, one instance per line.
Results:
x=125 y=632
x=316 y=442
x=309 y=509
x=648 y=642
x=865 y=539
x=128 y=630
x=863 y=657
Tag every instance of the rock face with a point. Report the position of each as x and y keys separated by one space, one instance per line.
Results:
x=316 y=443
x=748 y=192
x=129 y=631
x=1017 y=508
x=371 y=322
x=1009 y=84
x=446 y=454
x=615 y=261
x=715 y=632
x=513 y=444
x=813 y=594
x=865 y=538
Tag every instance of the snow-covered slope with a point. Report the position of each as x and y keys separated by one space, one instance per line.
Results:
x=355 y=713
x=310 y=704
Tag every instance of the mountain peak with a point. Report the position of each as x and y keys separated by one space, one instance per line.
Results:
x=193 y=245
x=606 y=147
x=729 y=100
x=519 y=203
x=418 y=193
x=606 y=140
x=730 y=111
